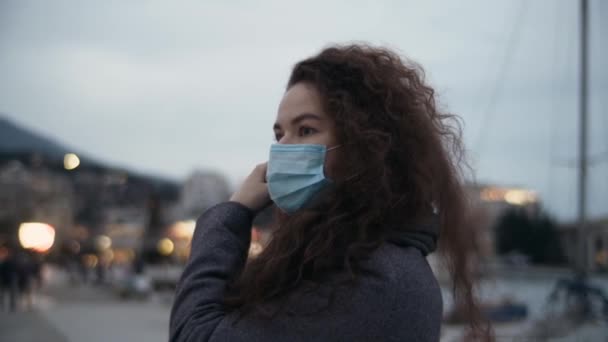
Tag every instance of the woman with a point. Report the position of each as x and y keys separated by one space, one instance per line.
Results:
x=365 y=176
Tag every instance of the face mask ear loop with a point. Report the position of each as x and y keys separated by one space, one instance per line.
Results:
x=333 y=148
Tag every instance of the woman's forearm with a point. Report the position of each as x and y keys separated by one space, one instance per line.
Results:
x=219 y=251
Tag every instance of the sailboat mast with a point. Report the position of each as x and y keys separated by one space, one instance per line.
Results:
x=582 y=181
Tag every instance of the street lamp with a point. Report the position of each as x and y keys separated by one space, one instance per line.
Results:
x=36 y=236
x=165 y=246
x=103 y=242
x=70 y=161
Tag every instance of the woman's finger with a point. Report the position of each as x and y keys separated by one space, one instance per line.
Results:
x=260 y=171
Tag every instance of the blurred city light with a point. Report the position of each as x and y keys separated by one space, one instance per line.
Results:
x=107 y=256
x=183 y=229
x=491 y=194
x=165 y=246
x=3 y=253
x=71 y=161
x=255 y=248
x=74 y=246
x=255 y=234
x=103 y=242
x=90 y=260
x=36 y=236
x=123 y=256
x=511 y=196
x=520 y=197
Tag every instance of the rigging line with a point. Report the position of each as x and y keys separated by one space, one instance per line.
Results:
x=568 y=39
x=552 y=127
x=597 y=162
x=568 y=62
x=490 y=65
x=598 y=158
x=592 y=161
x=512 y=43
x=602 y=99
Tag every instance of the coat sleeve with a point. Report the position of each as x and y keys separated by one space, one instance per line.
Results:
x=219 y=250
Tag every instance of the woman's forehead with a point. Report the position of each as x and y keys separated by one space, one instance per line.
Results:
x=300 y=98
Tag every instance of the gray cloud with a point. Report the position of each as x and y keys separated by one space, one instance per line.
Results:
x=167 y=87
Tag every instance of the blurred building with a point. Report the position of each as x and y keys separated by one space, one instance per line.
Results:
x=32 y=192
x=597 y=243
x=94 y=208
x=489 y=203
x=125 y=227
x=201 y=191
x=83 y=203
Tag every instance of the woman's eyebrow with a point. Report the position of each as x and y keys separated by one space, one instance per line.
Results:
x=299 y=119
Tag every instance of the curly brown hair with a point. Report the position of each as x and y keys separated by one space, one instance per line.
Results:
x=403 y=160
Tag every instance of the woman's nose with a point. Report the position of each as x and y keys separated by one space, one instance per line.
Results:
x=286 y=139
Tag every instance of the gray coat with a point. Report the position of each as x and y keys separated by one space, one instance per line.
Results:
x=402 y=304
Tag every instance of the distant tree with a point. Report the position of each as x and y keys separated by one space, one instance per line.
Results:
x=535 y=236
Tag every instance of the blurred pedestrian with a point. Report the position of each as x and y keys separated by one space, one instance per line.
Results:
x=8 y=281
x=36 y=277
x=100 y=272
x=364 y=175
x=25 y=278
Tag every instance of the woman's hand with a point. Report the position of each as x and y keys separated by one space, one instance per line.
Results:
x=253 y=193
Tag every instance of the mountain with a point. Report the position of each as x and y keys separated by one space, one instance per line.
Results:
x=15 y=139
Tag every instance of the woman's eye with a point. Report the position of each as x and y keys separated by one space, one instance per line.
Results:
x=304 y=131
x=277 y=137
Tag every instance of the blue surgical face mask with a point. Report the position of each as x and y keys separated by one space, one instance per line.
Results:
x=295 y=174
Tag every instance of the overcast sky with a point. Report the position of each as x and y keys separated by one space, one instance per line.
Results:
x=167 y=87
